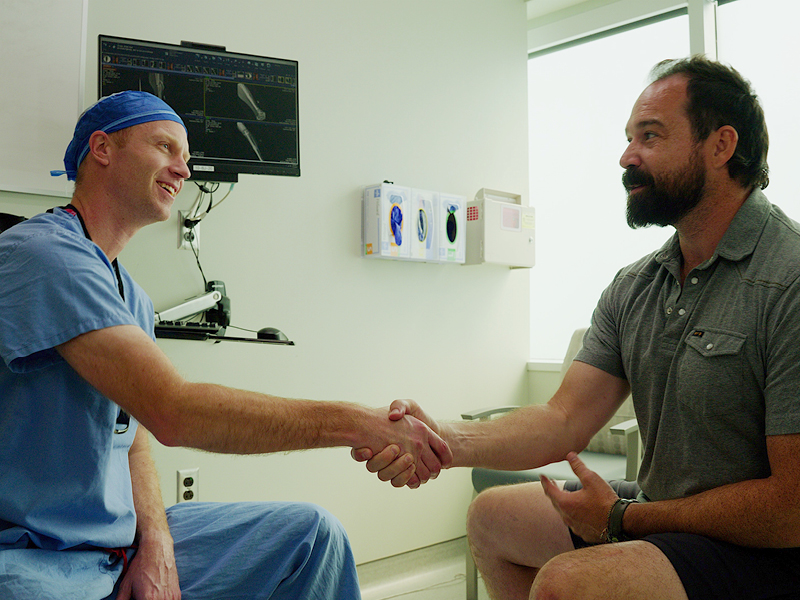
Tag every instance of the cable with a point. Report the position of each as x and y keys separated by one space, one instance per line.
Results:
x=242 y=329
x=196 y=252
x=196 y=218
x=223 y=198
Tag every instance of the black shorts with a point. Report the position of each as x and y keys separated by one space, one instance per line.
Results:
x=714 y=570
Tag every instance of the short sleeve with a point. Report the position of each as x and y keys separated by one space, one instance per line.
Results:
x=601 y=344
x=782 y=383
x=56 y=285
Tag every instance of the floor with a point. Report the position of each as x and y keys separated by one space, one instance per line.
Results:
x=434 y=573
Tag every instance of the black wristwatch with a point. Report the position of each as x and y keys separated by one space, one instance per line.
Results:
x=614 y=529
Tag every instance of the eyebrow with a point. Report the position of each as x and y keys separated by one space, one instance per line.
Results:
x=646 y=123
x=649 y=122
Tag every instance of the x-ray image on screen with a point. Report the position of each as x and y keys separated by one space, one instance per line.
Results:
x=241 y=111
x=246 y=96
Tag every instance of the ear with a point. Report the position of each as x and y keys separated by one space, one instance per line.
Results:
x=100 y=147
x=724 y=141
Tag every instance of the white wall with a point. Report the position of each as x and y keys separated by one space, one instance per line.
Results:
x=425 y=93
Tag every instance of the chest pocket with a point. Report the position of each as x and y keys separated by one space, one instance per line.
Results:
x=711 y=374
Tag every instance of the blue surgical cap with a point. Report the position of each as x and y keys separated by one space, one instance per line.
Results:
x=110 y=114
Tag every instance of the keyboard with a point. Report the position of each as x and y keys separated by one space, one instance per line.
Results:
x=188 y=330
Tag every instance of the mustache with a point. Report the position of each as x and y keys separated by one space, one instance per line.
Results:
x=633 y=177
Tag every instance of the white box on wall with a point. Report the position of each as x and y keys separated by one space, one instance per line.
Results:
x=385 y=221
x=451 y=231
x=412 y=224
x=500 y=230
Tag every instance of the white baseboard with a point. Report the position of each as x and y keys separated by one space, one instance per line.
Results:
x=426 y=568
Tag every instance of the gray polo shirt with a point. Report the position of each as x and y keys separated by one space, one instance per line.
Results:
x=714 y=367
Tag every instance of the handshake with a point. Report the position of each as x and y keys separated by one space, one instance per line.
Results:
x=408 y=449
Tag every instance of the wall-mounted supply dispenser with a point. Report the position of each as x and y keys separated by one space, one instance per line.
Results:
x=500 y=230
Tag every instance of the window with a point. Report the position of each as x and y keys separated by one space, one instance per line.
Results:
x=759 y=40
x=580 y=99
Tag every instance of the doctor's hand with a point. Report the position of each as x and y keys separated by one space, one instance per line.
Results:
x=152 y=573
x=391 y=464
x=585 y=511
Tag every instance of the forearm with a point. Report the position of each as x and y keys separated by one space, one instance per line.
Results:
x=525 y=439
x=540 y=434
x=151 y=521
x=127 y=367
x=153 y=572
x=226 y=420
x=755 y=513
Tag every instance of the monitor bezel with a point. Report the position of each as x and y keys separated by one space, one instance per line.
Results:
x=207 y=168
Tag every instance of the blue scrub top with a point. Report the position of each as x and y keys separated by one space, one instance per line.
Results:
x=64 y=473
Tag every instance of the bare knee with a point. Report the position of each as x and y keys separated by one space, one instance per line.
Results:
x=518 y=523
x=629 y=571
x=557 y=579
x=482 y=519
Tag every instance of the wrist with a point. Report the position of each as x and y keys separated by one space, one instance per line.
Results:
x=459 y=443
x=349 y=425
x=153 y=536
x=614 y=531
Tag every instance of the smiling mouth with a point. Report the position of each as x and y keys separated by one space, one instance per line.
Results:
x=634 y=180
x=172 y=191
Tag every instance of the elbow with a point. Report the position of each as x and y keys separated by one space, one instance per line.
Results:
x=166 y=437
x=165 y=430
x=167 y=419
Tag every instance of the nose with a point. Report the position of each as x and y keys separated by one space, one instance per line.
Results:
x=181 y=168
x=630 y=157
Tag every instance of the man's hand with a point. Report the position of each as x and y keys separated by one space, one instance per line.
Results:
x=391 y=464
x=152 y=574
x=586 y=510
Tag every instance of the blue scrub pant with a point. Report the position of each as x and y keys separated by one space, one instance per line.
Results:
x=249 y=550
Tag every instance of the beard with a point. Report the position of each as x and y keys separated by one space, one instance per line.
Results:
x=666 y=199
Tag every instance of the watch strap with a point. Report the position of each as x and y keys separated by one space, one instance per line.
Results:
x=614 y=527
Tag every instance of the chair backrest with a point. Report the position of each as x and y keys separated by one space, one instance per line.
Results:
x=575 y=344
x=603 y=441
x=7 y=221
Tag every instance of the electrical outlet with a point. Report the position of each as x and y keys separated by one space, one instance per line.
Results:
x=187 y=236
x=188 y=485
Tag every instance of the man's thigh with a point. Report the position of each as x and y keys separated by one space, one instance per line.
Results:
x=625 y=571
x=713 y=570
x=518 y=524
x=261 y=550
x=674 y=565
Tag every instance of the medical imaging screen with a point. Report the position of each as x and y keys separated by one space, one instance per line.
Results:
x=241 y=111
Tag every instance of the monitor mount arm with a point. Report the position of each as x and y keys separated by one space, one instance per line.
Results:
x=214 y=303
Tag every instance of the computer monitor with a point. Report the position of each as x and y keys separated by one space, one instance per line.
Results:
x=241 y=111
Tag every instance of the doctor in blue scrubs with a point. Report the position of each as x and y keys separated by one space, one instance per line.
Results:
x=82 y=381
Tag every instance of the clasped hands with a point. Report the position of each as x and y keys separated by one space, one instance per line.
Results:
x=424 y=456
x=585 y=511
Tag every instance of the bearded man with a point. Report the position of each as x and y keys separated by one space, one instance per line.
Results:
x=703 y=334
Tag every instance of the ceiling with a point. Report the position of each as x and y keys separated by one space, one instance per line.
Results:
x=537 y=8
